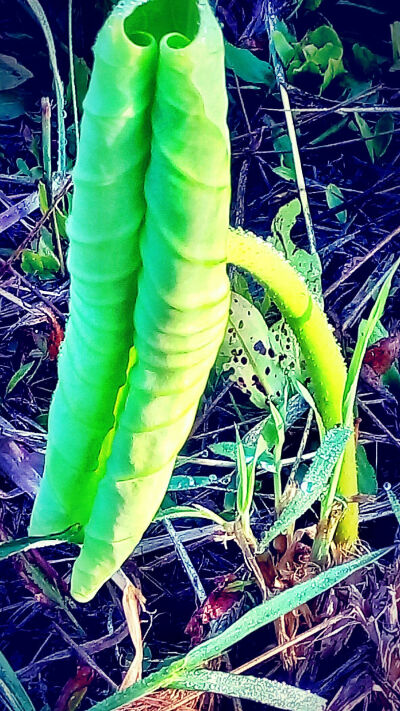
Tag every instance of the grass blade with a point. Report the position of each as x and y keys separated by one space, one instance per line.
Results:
x=251 y=621
x=12 y=693
x=19 y=545
x=361 y=346
x=313 y=483
x=274 y=693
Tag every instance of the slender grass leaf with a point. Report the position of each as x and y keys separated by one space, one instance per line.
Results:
x=311 y=402
x=20 y=545
x=12 y=693
x=251 y=621
x=361 y=346
x=393 y=500
x=18 y=376
x=195 y=511
x=274 y=693
x=395 y=34
x=313 y=484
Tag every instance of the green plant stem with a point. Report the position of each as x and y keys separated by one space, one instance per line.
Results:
x=72 y=72
x=322 y=354
x=281 y=81
x=46 y=147
x=40 y=15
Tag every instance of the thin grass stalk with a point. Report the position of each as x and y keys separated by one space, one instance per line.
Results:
x=72 y=73
x=40 y=15
x=281 y=81
x=46 y=146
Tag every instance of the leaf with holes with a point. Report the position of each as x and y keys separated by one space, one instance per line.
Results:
x=250 y=359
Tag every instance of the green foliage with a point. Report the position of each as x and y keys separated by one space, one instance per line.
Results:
x=318 y=57
x=393 y=500
x=364 y=333
x=247 y=66
x=282 y=145
x=246 y=477
x=313 y=484
x=251 y=621
x=18 y=376
x=248 y=355
x=377 y=140
x=366 y=474
x=334 y=197
x=12 y=694
x=19 y=545
x=41 y=262
x=274 y=693
x=395 y=34
x=12 y=75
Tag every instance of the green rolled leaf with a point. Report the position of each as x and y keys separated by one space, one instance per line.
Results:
x=183 y=297
x=107 y=212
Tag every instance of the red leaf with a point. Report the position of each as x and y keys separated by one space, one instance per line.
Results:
x=382 y=354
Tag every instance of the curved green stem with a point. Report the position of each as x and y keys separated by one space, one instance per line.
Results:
x=319 y=347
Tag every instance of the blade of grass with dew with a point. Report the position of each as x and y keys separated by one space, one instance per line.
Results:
x=195 y=511
x=313 y=483
x=362 y=344
x=20 y=545
x=246 y=474
x=393 y=500
x=251 y=621
x=12 y=693
x=264 y=691
x=340 y=483
x=40 y=15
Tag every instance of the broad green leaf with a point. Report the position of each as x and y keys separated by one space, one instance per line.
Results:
x=383 y=134
x=308 y=265
x=11 y=105
x=20 y=545
x=366 y=474
x=251 y=621
x=364 y=334
x=313 y=484
x=251 y=361
x=247 y=66
x=283 y=48
x=323 y=35
x=285 y=173
x=334 y=69
x=18 y=376
x=12 y=693
x=272 y=693
x=12 y=74
x=367 y=61
x=334 y=197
